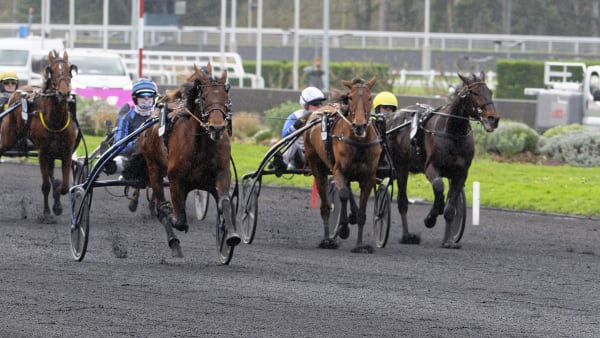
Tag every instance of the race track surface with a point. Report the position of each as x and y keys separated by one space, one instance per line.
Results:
x=516 y=275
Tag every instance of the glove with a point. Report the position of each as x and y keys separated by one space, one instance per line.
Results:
x=299 y=123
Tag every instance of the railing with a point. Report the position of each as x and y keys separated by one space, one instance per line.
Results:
x=432 y=78
x=199 y=37
x=172 y=68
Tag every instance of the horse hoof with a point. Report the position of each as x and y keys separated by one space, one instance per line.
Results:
x=430 y=222
x=410 y=239
x=181 y=227
x=175 y=248
x=133 y=205
x=450 y=245
x=328 y=244
x=233 y=239
x=57 y=209
x=344 y=232
x=363 y=249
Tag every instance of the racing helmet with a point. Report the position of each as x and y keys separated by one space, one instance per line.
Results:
x=9 y=75
x=310 y=94
x=143 y=86
x=385 y=99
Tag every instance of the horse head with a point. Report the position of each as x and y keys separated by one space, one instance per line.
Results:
x=478 y=101
x=213 y=102
x=58 y=75
x=359 y=104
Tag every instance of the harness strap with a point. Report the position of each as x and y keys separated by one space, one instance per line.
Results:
x=54 y=130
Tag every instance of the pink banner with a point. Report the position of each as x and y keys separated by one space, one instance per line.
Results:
x=115 y=97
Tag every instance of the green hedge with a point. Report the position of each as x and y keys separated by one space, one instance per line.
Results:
x=279 y=74
x=516 y=75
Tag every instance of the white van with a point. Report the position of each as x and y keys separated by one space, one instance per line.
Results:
x=100 y=75
x=16 y=54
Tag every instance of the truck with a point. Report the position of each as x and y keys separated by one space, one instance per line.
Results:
x=18 y=55
x=571 y=94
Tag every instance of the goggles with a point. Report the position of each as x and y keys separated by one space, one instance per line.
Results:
x=9 y=82
x=145 y=95
x=386 y=107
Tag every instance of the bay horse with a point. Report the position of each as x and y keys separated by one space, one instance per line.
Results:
x=439 y=143
x=351 y=151
x=194 y=153
x=45 y=117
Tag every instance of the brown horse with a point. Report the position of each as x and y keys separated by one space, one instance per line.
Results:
x=194 y=153
x=351 y=152
x=44 y=117
x=440 y=144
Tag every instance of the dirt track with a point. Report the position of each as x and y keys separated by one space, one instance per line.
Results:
x=517 y=274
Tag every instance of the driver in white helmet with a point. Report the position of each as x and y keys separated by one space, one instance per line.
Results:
x=311 y=99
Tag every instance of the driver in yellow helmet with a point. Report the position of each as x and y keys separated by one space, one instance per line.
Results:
x=385 y=103
x=9 y=82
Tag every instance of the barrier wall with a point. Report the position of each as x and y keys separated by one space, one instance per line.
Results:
x=259 y=100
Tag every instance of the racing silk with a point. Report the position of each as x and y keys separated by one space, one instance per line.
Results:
x=4 y=96
x=126 y=124
x=288 y=126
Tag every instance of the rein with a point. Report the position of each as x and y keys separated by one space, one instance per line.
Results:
x=351 y=141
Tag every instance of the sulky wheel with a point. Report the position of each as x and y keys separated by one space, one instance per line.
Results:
x=80 y=221
x=381 y=213
x=79 y=172
x=201 y=198
x=224 y=251
x=460 y=217
x=335 y=204
x=250 y=191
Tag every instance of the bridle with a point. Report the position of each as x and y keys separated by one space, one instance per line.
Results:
x=476 y=109
x=65 y=76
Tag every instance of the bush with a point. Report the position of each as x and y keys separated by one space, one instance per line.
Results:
x=276 y=116
x=577 y=148
x=91 y=115
x=508 y=139
x=562 y=130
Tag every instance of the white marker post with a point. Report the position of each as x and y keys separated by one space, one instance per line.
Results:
x=475 y=203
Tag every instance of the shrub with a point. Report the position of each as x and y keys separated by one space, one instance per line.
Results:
x=276 y=116
x=508 y=139
x=577 y=148
x=562 y=130
x=91 y=115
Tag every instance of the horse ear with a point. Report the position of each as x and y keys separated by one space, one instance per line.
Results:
x=482 y=76
x=371 y=82
x=463 y=79
x=209 y=67
x=347 y=84
x=50 y=56
x=65 y=56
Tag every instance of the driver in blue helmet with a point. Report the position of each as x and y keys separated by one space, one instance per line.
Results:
x=130 y=162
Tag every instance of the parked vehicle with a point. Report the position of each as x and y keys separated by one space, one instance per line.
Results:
x=16 y=54
x=571 y=94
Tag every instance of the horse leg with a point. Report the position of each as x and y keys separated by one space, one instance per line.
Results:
x=353 y=209
x=163 y=209
x=345 y=195
x=450 y=213
x=225 y=209
x=437 y=183
x=365 y=191
x=407 y=237
x=322 y=185
x=45 y=167
x=178 y=196
x=133 y=201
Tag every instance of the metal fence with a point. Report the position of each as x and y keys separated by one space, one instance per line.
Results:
x=197 y=37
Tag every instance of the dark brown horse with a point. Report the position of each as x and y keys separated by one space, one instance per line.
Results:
x=351 y=152
x=45 y=118
x=439 y=143
x=194 y=153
